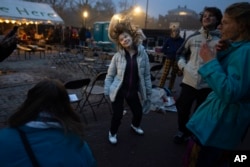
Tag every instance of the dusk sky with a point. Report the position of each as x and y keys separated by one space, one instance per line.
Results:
x=156 y=7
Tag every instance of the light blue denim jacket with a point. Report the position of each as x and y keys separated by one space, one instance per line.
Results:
x=116 y=71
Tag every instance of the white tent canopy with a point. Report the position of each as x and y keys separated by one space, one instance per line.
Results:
x=23 y=11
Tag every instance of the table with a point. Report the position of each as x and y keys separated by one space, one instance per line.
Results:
x=23 y=48
x=105 y=45
x=35 y=48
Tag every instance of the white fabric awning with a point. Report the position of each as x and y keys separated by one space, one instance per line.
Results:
x=24 y=11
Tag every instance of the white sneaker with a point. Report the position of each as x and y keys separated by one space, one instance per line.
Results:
x=137 y=130
x=112 y=138
x=124 y=112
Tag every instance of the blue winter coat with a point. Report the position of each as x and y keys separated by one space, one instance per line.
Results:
x=222 y=120
x=51 y=146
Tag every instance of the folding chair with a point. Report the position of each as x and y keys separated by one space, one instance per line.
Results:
x=94 y=90
x=99 y=66
x=155 y=70
x=77 y=90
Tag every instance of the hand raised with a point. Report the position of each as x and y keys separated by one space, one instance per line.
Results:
x=207 y=53
x=222 y=45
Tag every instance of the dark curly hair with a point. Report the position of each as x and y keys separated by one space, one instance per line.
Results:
x=215 y=11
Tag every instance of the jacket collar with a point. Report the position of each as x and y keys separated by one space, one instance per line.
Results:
x=140 y=48
x=233 y=46
x=209 y=34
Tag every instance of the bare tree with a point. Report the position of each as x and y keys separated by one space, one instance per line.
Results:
x=82 y=3
x=71 y=11
x=103 y=10
x=106 y=7
x=125 y=4
x=56 y=4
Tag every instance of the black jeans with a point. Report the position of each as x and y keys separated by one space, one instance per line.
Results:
x=184 y=103
x=133 y=102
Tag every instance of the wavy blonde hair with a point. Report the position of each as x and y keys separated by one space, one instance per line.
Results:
x=119 y=26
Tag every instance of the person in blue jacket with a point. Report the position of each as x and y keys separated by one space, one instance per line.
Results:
x=128 y=76
x=170 y=47
x=220 y=123
x=53 y=130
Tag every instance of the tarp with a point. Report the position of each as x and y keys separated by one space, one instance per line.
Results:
x=19 y=10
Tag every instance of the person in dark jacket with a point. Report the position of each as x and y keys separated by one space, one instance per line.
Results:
x=170 y=47
x=82 y=36
x=8 y=43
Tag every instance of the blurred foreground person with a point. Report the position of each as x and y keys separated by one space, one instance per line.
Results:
x=220 y=123
x=8 y=43
x=47 y=124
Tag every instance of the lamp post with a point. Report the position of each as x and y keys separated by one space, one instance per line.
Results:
x=85 y=15
x=146 y=17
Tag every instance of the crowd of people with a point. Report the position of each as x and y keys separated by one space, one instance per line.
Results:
x=45 y=34
x=215 y=65
x=74 y=37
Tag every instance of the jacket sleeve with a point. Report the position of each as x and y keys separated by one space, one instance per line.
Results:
x=183 y=54
x=110 y=75
x=230 y=83
x=147 y=77
x=165 y=47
